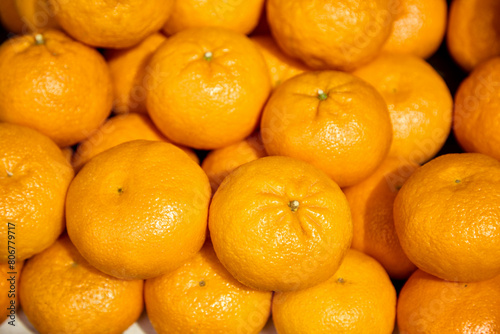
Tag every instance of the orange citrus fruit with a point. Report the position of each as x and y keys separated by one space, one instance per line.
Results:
x=447 y=217
x=62 y=293
x=210 y=88
x=111 y=24
x=202 y=297
x=281 y=67
x=327 y=34
x=10 y=275
x=221 y=162
x=419 y=27
x=131 y=74
x=419 y=102
x=371 y=203
x=359 y=298
x=236 y=15
x=280 y=224
x=10 y=18
x=476 y=118
x=138 y=210
x=34 y=178
x=37 y=15
x=429 y=305
x=118 y=130
x=333 y=120
x=55 y=85
x=473 y=31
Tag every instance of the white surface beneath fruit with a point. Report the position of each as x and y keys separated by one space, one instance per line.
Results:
x=142 y=326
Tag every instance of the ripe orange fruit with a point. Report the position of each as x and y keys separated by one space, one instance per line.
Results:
x=62 y=293
x=476 y=118
x=34 y=178
x=473 y=33
x=447 y=216
x=138 y=210
x=118 y=130
x=55 y=85
x=221 y=162
x=131 y=74
x=10 y=275
x=9 y=16
x=330 y=34
x=429 y=305
x=111 y=24
x=280 y=224
x=359 y=298
x=68 y=153
x=239 y=16
x=202 y=297
x=37 y=15
x=333 y=120
x=211 y=87
x=371 y=203
x=419 y=102
x=281 y=67
x=419 y=27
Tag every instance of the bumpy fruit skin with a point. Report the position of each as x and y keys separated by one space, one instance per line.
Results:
x=131 y=74
x=34 y=179
x=358 y=299
x=419 y=102
x=447 y=217
x=118 y=130
x=280 y=224
x=62 y=293
x=55 y=85
x=221 y=162
x=281 y=67
x=419 y=27
x=6 y=296
x=429 y=305
x=325 y=34
x=239 y=16
x=476 y=120
x=111 y=24
x=208 y=89
x=473 y=35
x=202 y=297
x=138 y=210
x=37 y=15
x=333 y=120
x=371 y=202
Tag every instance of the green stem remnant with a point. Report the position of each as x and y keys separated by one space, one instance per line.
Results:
x=208 y=56
x=294 y=205
x=457 y=181
x=120 y=191
x=340 y=280
x=322 y=95
x=39 y=40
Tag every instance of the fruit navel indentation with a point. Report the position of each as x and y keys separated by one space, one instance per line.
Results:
x=39 y=40
x=322 y=95
x=294 y=205
x=208 y=56
x=202 y=283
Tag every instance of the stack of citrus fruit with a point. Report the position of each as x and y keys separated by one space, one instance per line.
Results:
x=208 y=164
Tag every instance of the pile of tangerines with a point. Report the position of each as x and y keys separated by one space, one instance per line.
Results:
x=317 y=124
